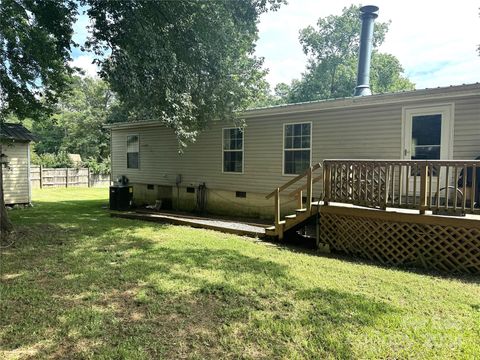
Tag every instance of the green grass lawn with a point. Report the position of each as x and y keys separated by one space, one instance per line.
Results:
x=79 y=284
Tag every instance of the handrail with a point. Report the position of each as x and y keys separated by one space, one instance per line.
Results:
x=294 y=180
x=309 y=186
x=303 y=187
x=425 y=185
x=403 y=162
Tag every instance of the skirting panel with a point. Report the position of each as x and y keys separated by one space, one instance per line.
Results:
x=432 y=242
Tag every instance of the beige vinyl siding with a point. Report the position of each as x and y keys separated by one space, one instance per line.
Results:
x=335 y=134
x=15 y=177
x=361 y=132
x=466 y=139
x=157 y=155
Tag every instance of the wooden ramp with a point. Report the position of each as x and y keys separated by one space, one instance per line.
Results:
x=226 y=226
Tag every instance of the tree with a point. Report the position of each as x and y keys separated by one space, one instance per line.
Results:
x=332 y=48
x=35 y=41
x=185 y=63
x=76 y=126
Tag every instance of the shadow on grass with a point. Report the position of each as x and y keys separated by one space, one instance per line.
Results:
x=81 y=284
x=407 y=268
x=297 y=244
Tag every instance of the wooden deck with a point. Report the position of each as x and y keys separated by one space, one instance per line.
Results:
x=393 y=211
x=211 y=223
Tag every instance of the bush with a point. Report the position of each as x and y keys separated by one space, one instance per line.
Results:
x=60 y=160
x=96 y=167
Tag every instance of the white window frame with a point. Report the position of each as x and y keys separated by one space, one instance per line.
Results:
x=283 y=144
x=126 y=141
x=242 y=150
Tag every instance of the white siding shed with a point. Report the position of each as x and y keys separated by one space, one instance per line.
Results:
x=15 y=141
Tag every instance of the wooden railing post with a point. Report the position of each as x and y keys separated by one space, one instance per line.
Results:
x=300 y=200
x=277 y=207
x=326 y=183
x=423 y=187
x=66 y=177
x=309 y=190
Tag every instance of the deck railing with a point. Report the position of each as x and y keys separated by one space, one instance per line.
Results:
x=298 y=192
x=413 y=184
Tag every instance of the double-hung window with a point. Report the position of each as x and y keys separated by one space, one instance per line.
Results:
x=296 y=148
x=133 y=149
x=233 y=150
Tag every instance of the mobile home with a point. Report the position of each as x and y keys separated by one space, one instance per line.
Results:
x=230 y=170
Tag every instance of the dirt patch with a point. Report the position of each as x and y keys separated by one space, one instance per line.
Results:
x=21 y=234
x=185 y=326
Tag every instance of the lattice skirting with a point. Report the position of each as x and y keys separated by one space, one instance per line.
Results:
x=432 y=242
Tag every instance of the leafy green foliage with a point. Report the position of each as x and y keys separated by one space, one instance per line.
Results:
x=98 y=167
x=48 y=160
x=185 y=63
x=332 y=48
x=35 y=41
x=77 y=124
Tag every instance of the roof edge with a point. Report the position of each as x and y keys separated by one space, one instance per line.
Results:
x=376 y=99
x=452 y=91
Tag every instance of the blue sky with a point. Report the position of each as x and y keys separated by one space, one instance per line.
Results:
x=435 y=41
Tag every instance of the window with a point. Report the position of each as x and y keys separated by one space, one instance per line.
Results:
x=190 y=190
x=426 y=135
x=132 y=151
x=233 y=150
x=297 y=148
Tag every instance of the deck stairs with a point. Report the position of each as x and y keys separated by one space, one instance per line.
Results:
x=293 y=221
x=306 y=209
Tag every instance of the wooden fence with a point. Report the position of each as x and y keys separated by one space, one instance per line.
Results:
x=65 y=177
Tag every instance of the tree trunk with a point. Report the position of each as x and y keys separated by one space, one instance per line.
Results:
x=5 y=223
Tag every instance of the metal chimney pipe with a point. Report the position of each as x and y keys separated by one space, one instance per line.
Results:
x=368 y=14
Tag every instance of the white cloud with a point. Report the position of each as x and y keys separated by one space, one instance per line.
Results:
x=85 y=62
x=435 y=42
